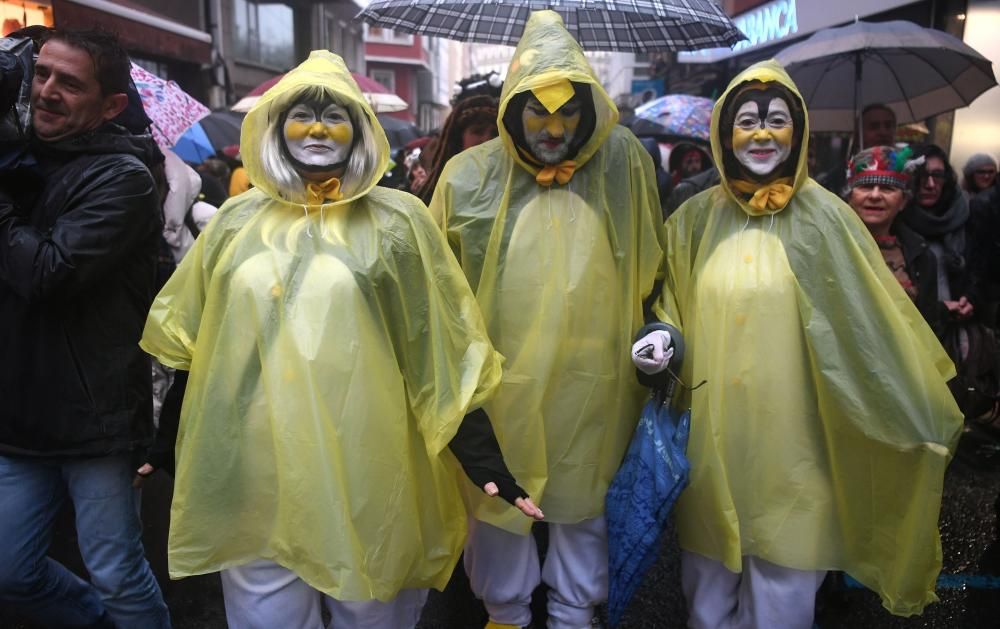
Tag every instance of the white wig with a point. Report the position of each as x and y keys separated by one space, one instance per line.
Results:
x=361 y=163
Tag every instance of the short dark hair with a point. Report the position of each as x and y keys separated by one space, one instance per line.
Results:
x=111 y=63
x=949 y=186
x=878 y=107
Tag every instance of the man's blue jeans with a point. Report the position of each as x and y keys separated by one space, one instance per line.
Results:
x=110 y=536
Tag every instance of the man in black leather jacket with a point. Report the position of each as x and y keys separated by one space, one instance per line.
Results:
x=79 y=225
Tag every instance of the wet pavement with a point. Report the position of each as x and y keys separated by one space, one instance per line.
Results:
x=969 y=586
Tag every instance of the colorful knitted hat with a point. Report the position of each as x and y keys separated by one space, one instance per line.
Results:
x=883 y=166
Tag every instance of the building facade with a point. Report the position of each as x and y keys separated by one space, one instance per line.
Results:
x=216 y=50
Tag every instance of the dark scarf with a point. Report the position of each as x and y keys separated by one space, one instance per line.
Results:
x=946 y=227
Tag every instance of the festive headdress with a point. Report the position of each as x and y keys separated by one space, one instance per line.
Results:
x=883 y=166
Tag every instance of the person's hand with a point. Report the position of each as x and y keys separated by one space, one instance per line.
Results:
x=961 y=309
x=140 y=474
x=526 y=506
x=652 y=353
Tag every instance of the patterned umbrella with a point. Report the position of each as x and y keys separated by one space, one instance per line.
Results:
x=170 y=108
x=675 y=116
x=616 y=25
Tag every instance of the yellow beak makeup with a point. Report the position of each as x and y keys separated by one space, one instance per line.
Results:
x=318 y=135
x=762 y=135
x=548 y=133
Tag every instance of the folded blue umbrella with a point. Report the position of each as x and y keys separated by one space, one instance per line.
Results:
x=653 y=474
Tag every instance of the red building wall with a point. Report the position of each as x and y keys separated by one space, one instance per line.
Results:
x=411 y=57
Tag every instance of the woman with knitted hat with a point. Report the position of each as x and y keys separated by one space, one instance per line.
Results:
x=878 y=184
x=979 y=173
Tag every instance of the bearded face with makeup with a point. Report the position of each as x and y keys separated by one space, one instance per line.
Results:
x=787 y=309
x=334 y=351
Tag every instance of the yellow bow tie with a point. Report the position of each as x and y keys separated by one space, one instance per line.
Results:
x=319 y=193
x=561 y=172
x=767 y=198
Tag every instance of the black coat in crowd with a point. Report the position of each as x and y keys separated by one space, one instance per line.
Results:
x=79 y=234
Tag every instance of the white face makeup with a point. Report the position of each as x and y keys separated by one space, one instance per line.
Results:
x=318 y=138
x=549 y=136
x=762 y=145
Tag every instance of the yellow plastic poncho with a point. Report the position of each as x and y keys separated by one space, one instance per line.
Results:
x=560 y=274
x=821 y=438
x=333 y=351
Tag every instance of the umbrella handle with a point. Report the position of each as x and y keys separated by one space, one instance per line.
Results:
x=857 y=101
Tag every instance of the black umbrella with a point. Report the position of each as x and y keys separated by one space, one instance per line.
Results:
x=917 y=72
x=399 y=132
x=222 y=128
x=209 y=136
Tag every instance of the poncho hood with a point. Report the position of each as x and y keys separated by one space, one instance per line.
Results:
x=327 y=71
x=547 y=54
x=765 y=72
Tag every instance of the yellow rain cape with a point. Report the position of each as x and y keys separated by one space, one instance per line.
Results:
x=333 y=352
x=821 y=439
x=560 y=273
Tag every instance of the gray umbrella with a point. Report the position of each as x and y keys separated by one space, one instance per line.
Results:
x=616 y=25
x=918 y=72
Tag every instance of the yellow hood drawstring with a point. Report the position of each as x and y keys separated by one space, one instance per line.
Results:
x=305 y=211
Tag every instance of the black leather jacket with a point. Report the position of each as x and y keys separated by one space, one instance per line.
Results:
x=78 y=244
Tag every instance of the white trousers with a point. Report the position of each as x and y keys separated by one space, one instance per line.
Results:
x=503 y=571
x=265 y=595
x=763 y=596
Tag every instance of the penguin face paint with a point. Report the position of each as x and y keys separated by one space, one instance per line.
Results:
x=762 y=134
x=317 y=134
x=549 y=135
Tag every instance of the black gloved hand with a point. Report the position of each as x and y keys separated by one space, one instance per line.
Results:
x=477 y=450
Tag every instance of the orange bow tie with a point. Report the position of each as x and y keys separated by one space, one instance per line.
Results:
x=561 y=172
x=768 y=198
x=319 y=193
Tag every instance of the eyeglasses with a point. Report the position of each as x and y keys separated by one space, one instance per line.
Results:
x=936 y=175
x=986 y=172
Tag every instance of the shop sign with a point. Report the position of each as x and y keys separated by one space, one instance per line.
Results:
x=766 y=24
x=784 y=21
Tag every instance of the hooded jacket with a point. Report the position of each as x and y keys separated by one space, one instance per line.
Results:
x=560 y=274
x=185 y=186
x=821 y=437
x=78 y=246
x=333 y=351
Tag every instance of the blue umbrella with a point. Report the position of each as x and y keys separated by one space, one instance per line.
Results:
x=194 y=146
x=209 y=136
x=641 y=495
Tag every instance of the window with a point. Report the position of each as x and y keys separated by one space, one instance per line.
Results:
x=17 y=15
x=386 y=77
x=264 y=33
x=387 y=36
x=153 y=67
